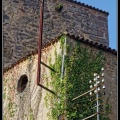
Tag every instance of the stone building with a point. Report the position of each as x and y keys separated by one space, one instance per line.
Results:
x=21 y=25
x=23 y=99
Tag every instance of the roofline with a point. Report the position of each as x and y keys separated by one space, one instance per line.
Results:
x=93 y=44
x=32 y=53
x=85 y=41
x=89 y=6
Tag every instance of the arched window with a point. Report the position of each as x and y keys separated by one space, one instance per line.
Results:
x=22 y=82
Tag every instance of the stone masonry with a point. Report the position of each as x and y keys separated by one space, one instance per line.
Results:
x=30 y=104
x=110 y=77
x=21 y=25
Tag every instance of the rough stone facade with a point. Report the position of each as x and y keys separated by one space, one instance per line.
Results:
x=110 y=78
x=30 y=103
x=21 y=25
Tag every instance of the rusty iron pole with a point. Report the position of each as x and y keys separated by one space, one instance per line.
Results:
x=40 y=43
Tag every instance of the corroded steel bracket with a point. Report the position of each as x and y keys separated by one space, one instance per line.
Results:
x=40 y=43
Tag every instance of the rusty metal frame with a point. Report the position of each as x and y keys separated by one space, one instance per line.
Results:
x=40 y=50
x=40 y=42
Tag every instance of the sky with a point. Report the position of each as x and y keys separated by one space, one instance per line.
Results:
x=109 y=6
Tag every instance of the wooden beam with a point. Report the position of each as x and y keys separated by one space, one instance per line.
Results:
x=84 y=93
x=90 y=116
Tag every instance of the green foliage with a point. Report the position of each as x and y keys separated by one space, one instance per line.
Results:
x=59 y=7
x=11 y=109
x=107 y=109
x=31 y=116
x=62 y=40
x=4 y=117
x=80 y=64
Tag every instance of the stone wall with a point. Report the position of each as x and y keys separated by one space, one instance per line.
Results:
x=30 y=104
x=110 y=76
x=21 y=25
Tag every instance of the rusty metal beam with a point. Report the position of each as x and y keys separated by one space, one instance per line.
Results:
x=48 y=66
x=40 y=42
x=47 y=89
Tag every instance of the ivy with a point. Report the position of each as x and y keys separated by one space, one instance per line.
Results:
x=80 y=64
x=59 y=7
x=62 y=40
x=31 y=116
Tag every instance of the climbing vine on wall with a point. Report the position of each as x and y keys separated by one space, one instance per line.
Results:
x=80 y=64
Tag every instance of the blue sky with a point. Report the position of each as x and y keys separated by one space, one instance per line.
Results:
x=111 y=7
